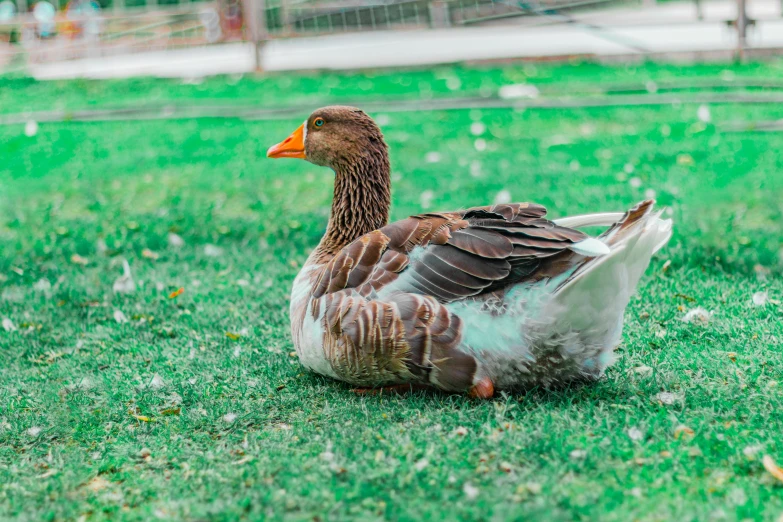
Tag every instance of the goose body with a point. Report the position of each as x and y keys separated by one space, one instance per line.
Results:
x=492 y=297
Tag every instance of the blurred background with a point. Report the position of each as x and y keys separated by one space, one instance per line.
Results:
x=190 y=38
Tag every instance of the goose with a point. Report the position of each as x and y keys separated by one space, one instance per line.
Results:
x=495 y=297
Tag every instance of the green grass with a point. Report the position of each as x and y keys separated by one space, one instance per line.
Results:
x=239 y=430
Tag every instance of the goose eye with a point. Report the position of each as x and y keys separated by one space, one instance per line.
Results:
x=319 y=122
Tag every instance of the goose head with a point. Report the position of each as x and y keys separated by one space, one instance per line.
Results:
x=337 y=136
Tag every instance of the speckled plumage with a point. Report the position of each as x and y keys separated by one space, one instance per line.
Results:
x=495 y=295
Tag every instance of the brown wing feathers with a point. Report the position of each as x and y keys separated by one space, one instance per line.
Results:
x=466 y=252
x=488 y=248
x=409 y=333
x=405 y=337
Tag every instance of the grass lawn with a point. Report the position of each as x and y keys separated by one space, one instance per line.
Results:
x=140 y=405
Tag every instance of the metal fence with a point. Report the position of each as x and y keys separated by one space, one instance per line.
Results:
x=50 y=30
x=55 y=30
x=290 y=18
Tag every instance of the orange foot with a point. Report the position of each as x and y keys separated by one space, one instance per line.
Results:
x=399 y=389
x=484 y=389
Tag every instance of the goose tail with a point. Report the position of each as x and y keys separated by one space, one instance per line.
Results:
x=594 y=297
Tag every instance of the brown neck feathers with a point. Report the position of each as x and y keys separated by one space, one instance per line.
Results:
x=362 y=197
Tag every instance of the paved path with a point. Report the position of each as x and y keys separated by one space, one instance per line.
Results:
x=670 y=28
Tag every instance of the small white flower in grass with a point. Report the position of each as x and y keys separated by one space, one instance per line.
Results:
x=587 y=129
x=752 y=451
x=504 y=196
x=635 y=182
x=8 y=325
x=477 y=128
x=667 y=398
x=556 y=139
x=421 y=464
x=636 y=492
x=470 y=490
x=432 y=157
x=697 y=315
x=651 y=87
x=175 y=240
x=534 y=488
x=480 y=144
x=229 y=417
x=84 y=384
x=643 y=370
x=31 y=128
x=703 y=113
x=327 y=456
x=760 y=298
x=475 y=168
x=34 y=431
x=577 y=454
x=43 y=286
x=213 y=251
x=635 y=434
x=461 y=431
x=157 y=382
x=425 y=200
x=120 y=317
x=192 y=380
x=738 y=497
x=453 y=83
x=237 y=351
x=519 y=90
x=125 y=283
x=382 y=119
x=574 y=165
x=666 y=130
x=628 y=168
x=650 y=193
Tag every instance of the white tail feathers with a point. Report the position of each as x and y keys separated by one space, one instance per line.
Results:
x=605 y=219
x=614 y=276
x=590 y=247
x=661 y=229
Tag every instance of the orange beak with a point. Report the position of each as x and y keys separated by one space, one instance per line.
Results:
x=292 y=147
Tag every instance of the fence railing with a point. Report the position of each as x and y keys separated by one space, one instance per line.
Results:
x=54 y=30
